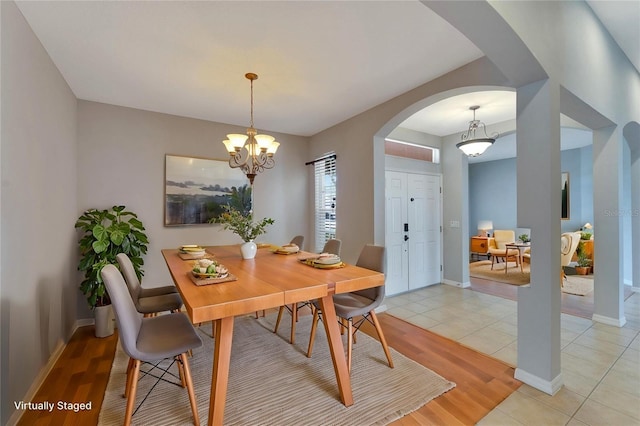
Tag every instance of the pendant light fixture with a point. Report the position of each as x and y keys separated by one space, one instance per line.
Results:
x=472 y=144
x=257 y=153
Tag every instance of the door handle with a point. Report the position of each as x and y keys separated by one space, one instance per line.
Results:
x=406 y=237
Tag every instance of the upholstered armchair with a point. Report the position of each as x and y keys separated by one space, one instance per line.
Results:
x=498 y=249
x=568 y=244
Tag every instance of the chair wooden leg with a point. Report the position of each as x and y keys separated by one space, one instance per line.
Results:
x=189 y=383
x=294 y=320
x=493 y=259
x=383 y=341
x=132 y=389
x=349 y=342
x=129 y=374
x=180 y=371
x=312 y=337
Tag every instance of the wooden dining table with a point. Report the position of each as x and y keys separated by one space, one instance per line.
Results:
x=270 y=280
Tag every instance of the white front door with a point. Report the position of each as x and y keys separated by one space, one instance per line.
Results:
x=433 y=231
x=413 y=236
x=397 y=276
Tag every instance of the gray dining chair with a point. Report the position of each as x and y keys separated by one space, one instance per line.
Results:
x=360 y=303
x=298 y=240
x=331 y=246
x=150 y=339
x=148 y=301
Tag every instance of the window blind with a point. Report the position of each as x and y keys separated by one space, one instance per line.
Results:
x=325 y=200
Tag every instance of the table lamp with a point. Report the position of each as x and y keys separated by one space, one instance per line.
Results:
x=483 y=227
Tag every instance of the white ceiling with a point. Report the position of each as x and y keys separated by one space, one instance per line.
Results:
x=319 y=63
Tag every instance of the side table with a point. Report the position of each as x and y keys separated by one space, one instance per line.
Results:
x=479 y=246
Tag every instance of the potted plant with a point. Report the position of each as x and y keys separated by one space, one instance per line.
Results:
x=243 y=226
x=584 y=263
x=107 y=233
x=524 y=238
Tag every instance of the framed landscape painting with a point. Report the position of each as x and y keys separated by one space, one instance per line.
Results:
x=197 y=189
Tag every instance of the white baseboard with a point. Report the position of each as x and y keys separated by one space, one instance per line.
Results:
x=83 y=323
x=616 y=322
x=46 y=369
x=548 y=387
x=456 y=283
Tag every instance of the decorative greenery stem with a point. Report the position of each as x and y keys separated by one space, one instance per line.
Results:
x=242 y=224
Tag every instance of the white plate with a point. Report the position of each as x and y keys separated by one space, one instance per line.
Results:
x=327 y=260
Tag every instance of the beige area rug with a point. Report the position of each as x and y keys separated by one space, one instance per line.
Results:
x=578 y=285
x=512 y=276
x=273 y=382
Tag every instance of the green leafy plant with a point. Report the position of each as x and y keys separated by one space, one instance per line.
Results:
x=242 y=224
x=106 y=233
x=585 y=235
x=583 y=260
x=524 y=238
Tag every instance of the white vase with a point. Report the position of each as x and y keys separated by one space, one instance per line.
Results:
x=104 y=320
x=249 y=250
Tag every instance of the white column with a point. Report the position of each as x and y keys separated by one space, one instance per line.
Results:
x=607 y=212
x=455 y=210
x=539 y=208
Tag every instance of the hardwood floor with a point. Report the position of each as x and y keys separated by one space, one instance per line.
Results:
x=482 y=382
x=80 y=375
x=82 y=371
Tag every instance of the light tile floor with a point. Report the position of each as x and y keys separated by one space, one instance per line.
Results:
x=600 y=363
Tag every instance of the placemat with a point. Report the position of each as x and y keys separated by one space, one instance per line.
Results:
x=192 y=256
x=285 y=252
x=312 y=263
x=207 y=281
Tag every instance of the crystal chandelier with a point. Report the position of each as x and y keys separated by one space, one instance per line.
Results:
x=256 y=154
x=471 y=144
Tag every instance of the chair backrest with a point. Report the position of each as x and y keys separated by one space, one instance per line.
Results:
x=298 y=240
x=130 y=276
x=129 y=320
x=333 y=247
x=502 y=237
x=568 y=244
x=372 y=257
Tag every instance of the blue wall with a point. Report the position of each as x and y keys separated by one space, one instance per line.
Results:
x=492 y=191
x=492 y=194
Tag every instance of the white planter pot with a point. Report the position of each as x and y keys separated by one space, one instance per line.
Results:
x=104 y=320
x=248 y=250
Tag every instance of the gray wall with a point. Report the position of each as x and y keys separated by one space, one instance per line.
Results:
x=121 y=156
x=37 y=214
